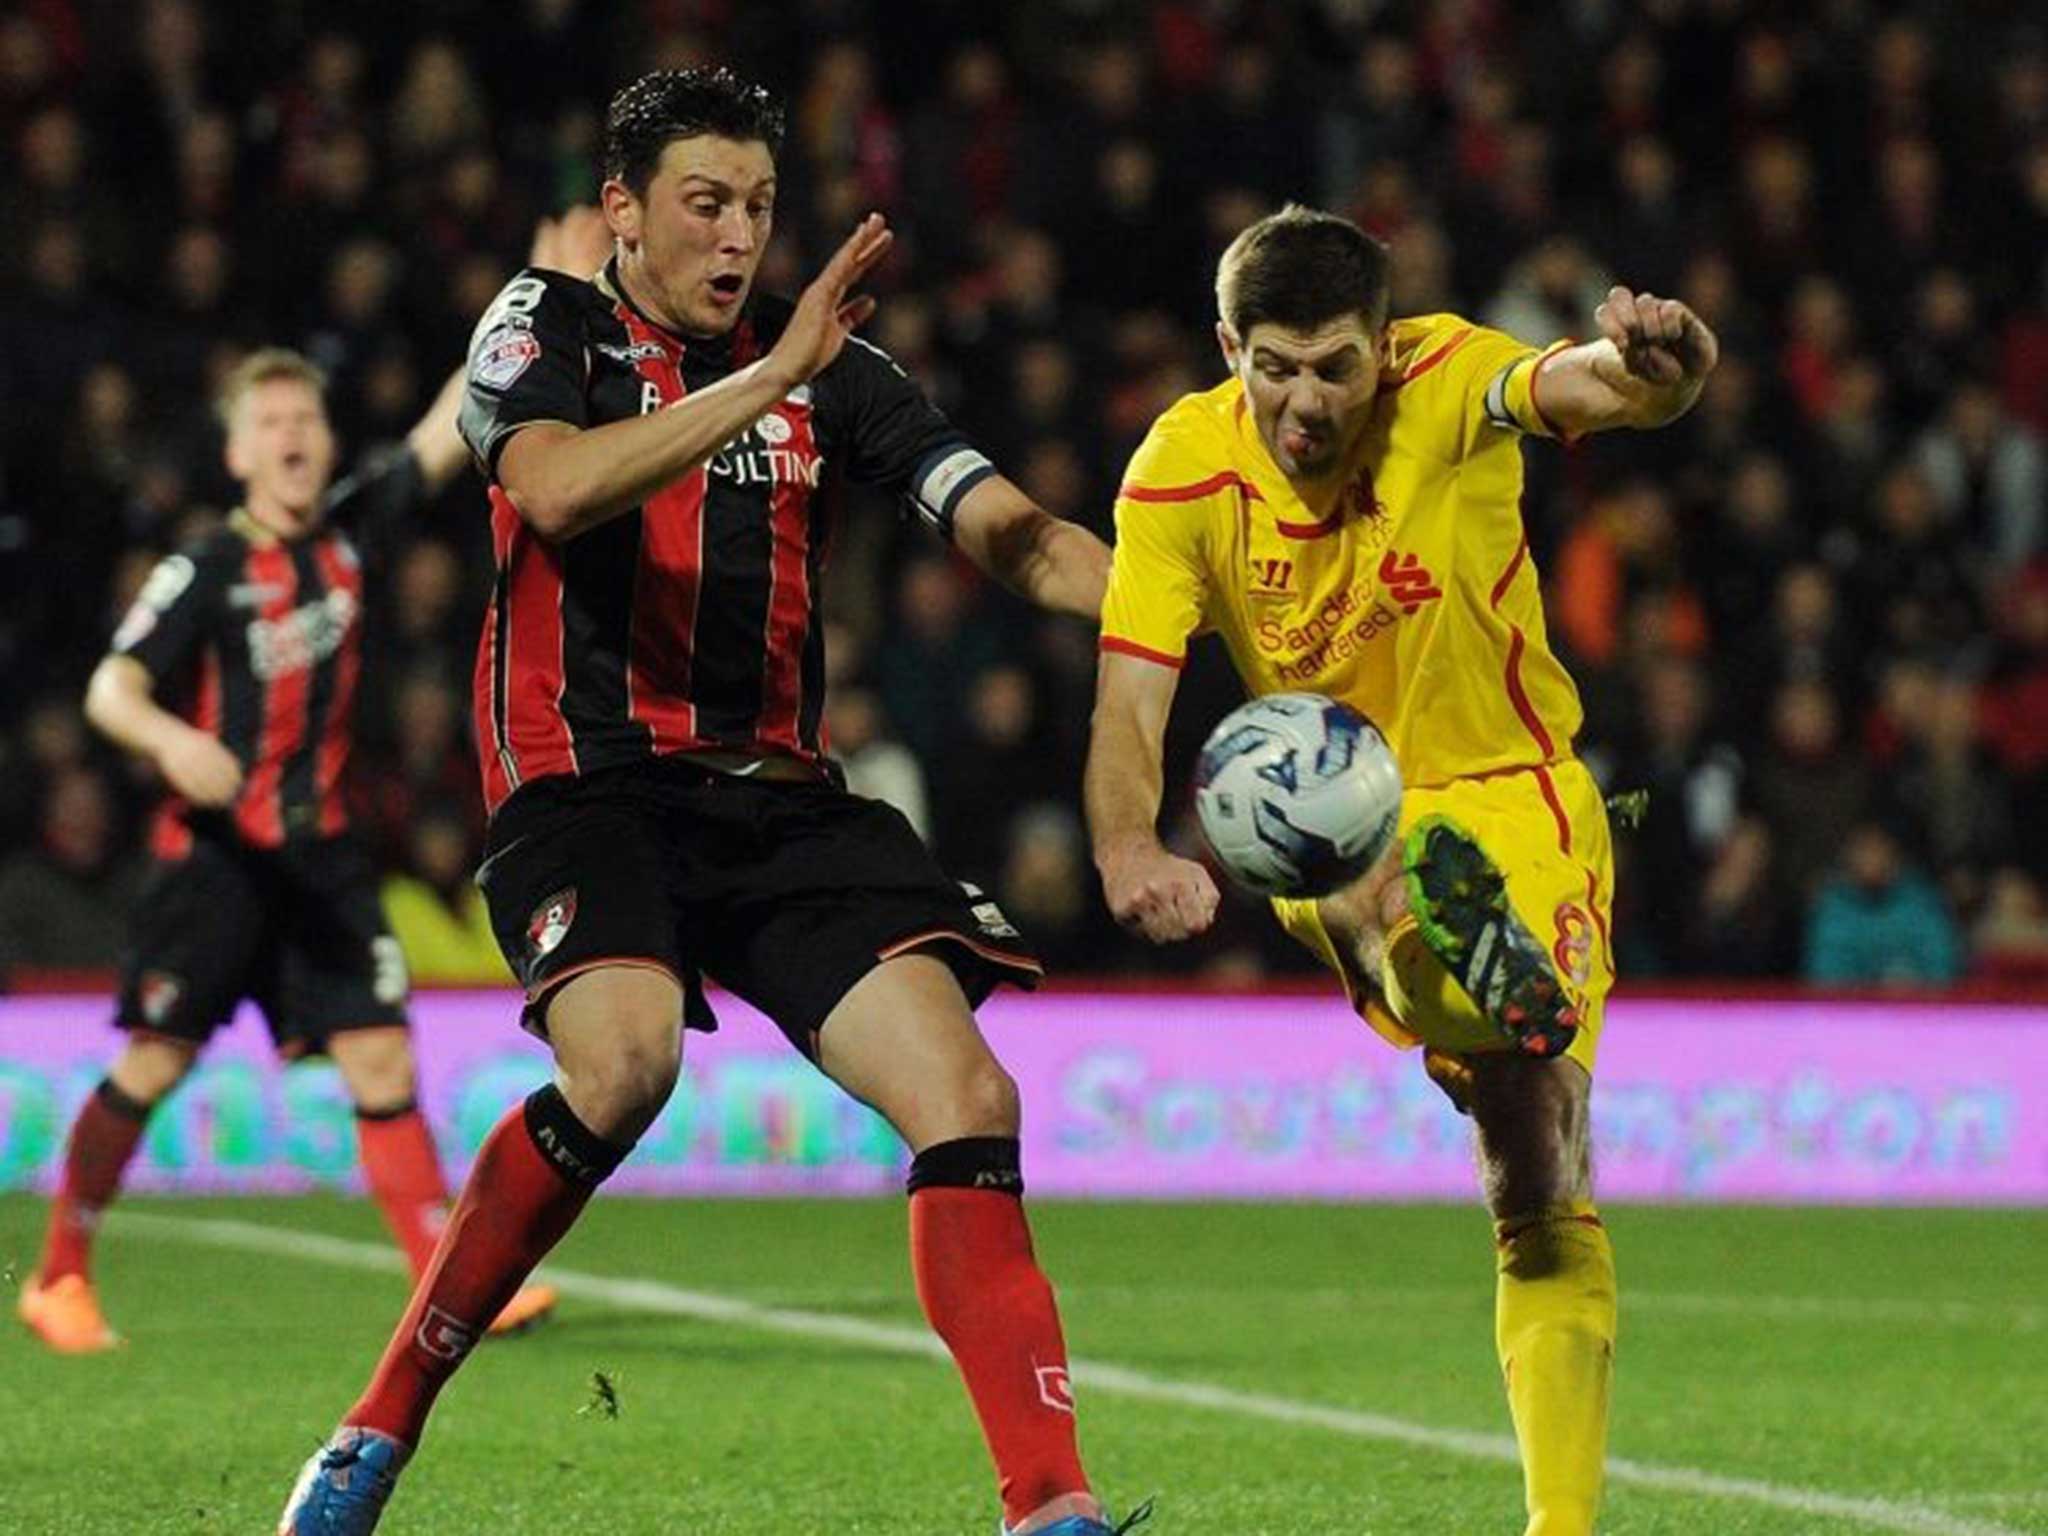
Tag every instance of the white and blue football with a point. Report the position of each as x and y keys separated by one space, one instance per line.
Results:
x=1298 y=794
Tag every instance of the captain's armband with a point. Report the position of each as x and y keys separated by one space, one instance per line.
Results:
x=942 y=482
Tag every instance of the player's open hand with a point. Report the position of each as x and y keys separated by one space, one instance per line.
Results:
x=1153 y=892
x=198 y=767
x=578 y=243
x=825 y=316
x=1661 y=341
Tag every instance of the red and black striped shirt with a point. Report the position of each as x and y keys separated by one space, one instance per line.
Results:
x=259 y=641
x=691 y=622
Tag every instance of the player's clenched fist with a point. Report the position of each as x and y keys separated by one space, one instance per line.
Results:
x=1159 y=895
x=198 y=767
x=1661 y=341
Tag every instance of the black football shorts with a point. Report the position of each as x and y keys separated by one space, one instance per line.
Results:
x=299 y=929
x=786 y=894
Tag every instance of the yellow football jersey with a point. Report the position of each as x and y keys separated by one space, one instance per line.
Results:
x=1413 y=599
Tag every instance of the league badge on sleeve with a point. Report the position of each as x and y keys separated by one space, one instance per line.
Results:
x=506 y=352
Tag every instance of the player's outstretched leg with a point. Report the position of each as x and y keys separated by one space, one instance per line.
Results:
x=1554 y=1322
x=1460 y=904
x=617 y=1038
x=400 y=1164
x=58 y=1302
x=904 y=1040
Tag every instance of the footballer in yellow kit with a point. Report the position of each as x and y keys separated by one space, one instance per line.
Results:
x=1345 y=513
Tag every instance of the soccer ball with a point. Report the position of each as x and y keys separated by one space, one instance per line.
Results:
x=1298 y=794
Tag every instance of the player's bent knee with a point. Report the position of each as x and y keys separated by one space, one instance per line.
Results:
x=377 y=1066
x=987 y=1102
x=148 y=1069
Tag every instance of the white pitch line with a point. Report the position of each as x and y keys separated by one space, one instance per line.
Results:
x=1093 y=1375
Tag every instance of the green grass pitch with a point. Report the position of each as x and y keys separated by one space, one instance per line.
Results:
x=1899 y=1358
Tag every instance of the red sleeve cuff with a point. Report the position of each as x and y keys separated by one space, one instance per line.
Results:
x=1142 y=652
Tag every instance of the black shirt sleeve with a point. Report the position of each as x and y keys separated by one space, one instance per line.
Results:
x=897 y=439
x=382 y=490
x=170 y=615
x=526 y=364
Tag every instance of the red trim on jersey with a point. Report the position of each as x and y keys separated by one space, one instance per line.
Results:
x=1329 y=524
x=1500 y=588
x=536 y=737
x=259 y=812
x=1200 y=488
x=1517 y=642
x=1142 y=652
x=169 y=838
x=483 y=695
x=789 y=593
x=1432 y=360
x=670 y=574
x=338 y=738
x=1548 y=785
x=1536 y=405
x=1520 y=698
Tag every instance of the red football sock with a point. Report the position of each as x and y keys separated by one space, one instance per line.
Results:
x=986 y=1297
x=404 y=1175
x=533 y=1176
x=103 y=1139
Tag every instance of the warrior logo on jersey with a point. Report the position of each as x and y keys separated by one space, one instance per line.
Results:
x=550 y=922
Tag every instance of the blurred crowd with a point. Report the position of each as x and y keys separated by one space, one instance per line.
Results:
x=1811 y=619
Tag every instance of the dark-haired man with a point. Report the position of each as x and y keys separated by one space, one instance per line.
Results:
x=1345 y=512
x=648 y=697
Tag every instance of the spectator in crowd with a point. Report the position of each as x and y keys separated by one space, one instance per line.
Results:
x=876 y=765
x=1695 y=784
x=1811 y=784
x=1879 y=922
x=62 y=903
x=2010 y=940
x=435 y=910
x=1863 y=486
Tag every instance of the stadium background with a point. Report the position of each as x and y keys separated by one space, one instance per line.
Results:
x=1818 y=605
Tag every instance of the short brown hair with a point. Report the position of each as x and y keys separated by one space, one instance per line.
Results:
x=260 y=367
x=1301 y=268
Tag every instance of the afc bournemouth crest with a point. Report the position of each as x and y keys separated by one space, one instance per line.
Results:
x=158 y=994
x=550 y=922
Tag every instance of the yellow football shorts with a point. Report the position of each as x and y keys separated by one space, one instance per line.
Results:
x=1546 y=831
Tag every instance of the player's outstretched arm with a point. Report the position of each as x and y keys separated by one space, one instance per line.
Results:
x=577 y=243
x=1055 y=563
x=119 y=705
x=1646 y=370
x=1148 y=889
x=566 y=479
x=436 y=445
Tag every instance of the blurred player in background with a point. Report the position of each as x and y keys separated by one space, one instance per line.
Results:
x=235 y=674
x=648 y=696
x=1345 y=511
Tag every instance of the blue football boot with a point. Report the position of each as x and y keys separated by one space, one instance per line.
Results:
x=342 y=1489
x=1084 y=1525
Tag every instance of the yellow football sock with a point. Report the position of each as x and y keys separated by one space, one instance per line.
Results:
x=1554 y=1324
